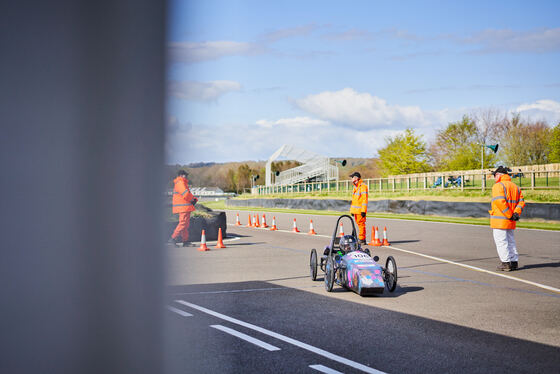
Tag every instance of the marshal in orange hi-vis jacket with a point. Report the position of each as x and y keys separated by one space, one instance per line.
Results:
x=358 y=207
x=183 y=204
x=507 y=206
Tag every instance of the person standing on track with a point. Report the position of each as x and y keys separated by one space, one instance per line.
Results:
x=359 y=204
x=183 y=204
x=507 y=205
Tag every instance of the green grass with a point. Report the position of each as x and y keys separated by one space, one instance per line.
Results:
x=531 y=196
x=528 y=224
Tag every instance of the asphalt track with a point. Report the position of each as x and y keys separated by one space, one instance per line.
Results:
x=252 y=307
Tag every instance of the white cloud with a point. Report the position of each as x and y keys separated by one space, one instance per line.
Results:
x=190 y=52
x=289 y=32
x=544 y=105
x=505 y=40
x=202 y=91
x=238 y=142
x=296 y=122
x=361 y=111
x=548 y=110
x=351 y=34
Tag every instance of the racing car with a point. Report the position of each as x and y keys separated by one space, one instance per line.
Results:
x=347 y=264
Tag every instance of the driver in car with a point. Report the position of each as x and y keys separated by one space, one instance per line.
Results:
x=348 y=244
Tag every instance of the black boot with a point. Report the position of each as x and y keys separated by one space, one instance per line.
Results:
x=175 y=241
x=504 y=266
x=514 y=265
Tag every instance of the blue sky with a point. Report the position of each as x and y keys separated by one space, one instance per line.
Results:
x=337 y=78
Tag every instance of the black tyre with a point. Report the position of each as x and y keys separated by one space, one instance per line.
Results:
x=390 y=274
x=313 y=264
x=329 y=274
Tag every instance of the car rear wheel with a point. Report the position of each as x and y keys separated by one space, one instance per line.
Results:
x=329 y=274
x=313 y=264
x=390 y=274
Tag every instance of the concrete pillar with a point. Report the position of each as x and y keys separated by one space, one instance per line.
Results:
x=81 y=154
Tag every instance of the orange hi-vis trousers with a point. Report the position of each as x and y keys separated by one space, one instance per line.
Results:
x=182 y=229
x=361 y=221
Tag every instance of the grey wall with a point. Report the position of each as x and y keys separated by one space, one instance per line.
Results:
x=440 y=208
x=81 y=155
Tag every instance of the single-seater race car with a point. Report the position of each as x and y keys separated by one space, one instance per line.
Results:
x=347 y=264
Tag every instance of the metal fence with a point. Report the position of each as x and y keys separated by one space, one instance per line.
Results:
x=534 y=180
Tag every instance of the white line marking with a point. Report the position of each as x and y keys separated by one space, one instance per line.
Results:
x=324 y=369
x=246 y=337
x=286 y=339
x=539 y=285
x=179 y=311
x=477 y=269
x=229 y=291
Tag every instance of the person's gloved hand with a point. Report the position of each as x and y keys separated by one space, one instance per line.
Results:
x=515 y=217
x=363 y=214
x=194 y=201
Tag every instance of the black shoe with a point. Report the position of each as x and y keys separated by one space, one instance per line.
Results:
x=514 y=265
x=175 y=241
x=504 y=266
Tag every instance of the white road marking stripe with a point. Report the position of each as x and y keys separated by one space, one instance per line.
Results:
x=477 y=269
x=179 y=311
x=286 y=339
x=250 y=339
x=229 y=291
x=544 y=286
x=227 y=240
x=324 y=369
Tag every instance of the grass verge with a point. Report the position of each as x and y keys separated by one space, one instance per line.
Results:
x=530 y=196
x=527 y=224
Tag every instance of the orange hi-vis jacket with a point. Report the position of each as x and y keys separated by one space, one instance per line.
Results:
x=359 y=198
x=182 y=196
x=506 y=200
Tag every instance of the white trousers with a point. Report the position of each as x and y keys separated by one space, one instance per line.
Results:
x=505 y=244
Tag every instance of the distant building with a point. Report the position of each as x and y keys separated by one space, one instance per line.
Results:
x=206 y=191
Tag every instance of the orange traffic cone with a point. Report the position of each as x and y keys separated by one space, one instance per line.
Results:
x=295 y=229
x=376 y=241
x=385 y=241
x=253 y=224
x=340 y=230
x=249 y=221
x=237 y=223
x=220 y=243
x=263 y=224
x=311 y=229
x=203 y=246
x=274 y=228
x=372 y=236
x=257 y=223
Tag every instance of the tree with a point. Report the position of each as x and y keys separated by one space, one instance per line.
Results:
x=554 y=144
x=526 y=143
x=231 y=179
x=458 y=146
x=243 y=177
x=404 y=154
